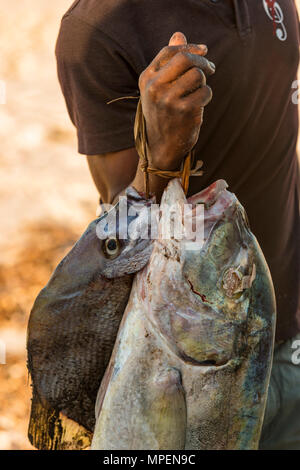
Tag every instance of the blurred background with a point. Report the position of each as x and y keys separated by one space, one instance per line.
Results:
x=47 y=196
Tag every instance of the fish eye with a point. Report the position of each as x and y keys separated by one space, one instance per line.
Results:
x=112 y=247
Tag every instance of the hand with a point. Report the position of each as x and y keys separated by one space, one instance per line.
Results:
x=173 y=93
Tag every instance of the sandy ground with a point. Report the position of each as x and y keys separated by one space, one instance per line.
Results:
x=47 y=197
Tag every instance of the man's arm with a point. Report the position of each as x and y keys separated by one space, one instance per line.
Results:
x=113 y=172
x=173 y=93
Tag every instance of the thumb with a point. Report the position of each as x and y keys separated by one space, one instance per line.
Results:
x=178 y=39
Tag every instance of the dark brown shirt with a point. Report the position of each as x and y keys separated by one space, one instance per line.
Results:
x=250 y=128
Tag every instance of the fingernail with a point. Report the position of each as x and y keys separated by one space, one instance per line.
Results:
x=178 y=39
x=212 y=65
x=203 y=47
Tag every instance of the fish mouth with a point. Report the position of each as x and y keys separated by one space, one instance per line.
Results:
x=216 y=199
x=209 y=195
x=171 y=207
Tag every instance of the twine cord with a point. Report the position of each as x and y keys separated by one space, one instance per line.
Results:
x=186 y=169
x=123 y=98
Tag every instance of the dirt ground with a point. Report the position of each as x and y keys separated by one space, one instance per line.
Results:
x=47 y=197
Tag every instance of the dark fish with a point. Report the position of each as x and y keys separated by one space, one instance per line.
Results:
x=74 y=323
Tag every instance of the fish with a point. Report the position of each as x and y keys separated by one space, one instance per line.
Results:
x=75 y=319
x=191 y=364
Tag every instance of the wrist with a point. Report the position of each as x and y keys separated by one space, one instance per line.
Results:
x=164 y=160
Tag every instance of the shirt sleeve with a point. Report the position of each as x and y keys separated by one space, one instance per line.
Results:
x=92 y=70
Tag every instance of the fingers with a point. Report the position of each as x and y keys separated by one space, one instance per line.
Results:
x=198 y=99
x=192 y=106
x=181 y=63
x=168 y=52
x=189 y=105
x=178 y=39
x=184 y=67
x=189 y=82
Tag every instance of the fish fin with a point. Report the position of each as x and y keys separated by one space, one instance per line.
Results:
x=143 y=413
x=166 y=411
x=51 y=430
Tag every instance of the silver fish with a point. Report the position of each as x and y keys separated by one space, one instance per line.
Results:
x=191 y=364
x=74 y=323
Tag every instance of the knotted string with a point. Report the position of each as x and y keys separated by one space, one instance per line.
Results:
x=140 y=137
x=186 y=169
